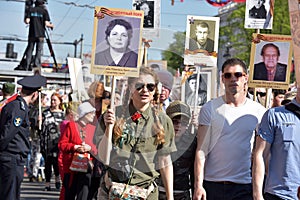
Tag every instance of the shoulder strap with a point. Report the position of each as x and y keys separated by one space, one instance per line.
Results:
x=293 y=108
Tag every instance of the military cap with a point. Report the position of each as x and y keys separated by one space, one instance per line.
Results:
x=178 y=108
x=33 y=83
x=8 y=88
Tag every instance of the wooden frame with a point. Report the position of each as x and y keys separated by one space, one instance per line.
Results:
x=100 y=46
x=258 y=76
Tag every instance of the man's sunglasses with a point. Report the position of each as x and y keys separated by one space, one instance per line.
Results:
x=228 y=75
x=149 y=86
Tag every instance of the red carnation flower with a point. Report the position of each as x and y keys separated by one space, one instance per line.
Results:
x=136 y=116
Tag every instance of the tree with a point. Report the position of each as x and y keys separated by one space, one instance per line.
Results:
x=174 y=54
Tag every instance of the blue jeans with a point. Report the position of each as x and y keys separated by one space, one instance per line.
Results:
x=227 y=191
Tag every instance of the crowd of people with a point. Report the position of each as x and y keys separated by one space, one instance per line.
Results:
x=144 y=147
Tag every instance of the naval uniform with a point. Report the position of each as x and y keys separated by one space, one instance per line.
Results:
x=14 y=147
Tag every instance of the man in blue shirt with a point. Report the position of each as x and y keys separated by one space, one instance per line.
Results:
x=278 y=145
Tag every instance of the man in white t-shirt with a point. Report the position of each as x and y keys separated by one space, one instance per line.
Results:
x=225 y=137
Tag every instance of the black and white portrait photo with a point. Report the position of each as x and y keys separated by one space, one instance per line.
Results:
x=191 y=87
x=259 y=14
x=151 y=9
x=117 y=41
x=201 y=43
x=148 y=8
x=258 y=11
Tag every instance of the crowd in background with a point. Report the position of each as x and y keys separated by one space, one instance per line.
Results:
x=66 y=127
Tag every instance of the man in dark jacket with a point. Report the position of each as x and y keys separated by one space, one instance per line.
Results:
x=270 y=69
x=14 y=133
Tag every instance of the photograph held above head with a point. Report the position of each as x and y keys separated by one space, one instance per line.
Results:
x=142 y=140
x=258 y=11
x=226 y=129
x=190 y=90
x=14 y=136
x=118 y=35
x=76 y=138
x=183 y=158
x=147 y=7
x=277 y=145
x=270 y=69
x=202 y=41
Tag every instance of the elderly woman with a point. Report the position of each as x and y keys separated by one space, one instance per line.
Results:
x=142 y=140
x=75 y=139
x=118 y=35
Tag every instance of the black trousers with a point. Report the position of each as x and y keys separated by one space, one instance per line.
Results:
x=268 y=196
x=11 y=175
x=227 y=191
x=49 y=162
x=39 y=42
x=77 y=185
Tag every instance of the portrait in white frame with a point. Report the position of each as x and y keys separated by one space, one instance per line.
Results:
x=258 y=14
x=152 y=15
x=201 y=43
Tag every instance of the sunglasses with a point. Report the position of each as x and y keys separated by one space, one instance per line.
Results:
x=236 y=74
x=149 y=86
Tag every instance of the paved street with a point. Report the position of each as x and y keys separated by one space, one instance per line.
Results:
x=34 y=191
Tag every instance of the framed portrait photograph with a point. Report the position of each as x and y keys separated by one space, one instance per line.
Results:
x=270 y=62
x=201 y=43
x=117 y=40
x=258 y=15
x=157 y=64
x=151 y=9
x=196 y=90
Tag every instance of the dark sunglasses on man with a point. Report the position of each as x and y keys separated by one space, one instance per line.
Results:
x=149 y=86
x=228 y=75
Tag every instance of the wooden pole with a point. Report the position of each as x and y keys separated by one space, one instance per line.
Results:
x=105 y=146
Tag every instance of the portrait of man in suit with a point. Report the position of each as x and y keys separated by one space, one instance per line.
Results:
x=202 y=41
x=270 y=69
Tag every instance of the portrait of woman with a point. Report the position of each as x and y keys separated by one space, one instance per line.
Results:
x=118 y=35
x=142 y=139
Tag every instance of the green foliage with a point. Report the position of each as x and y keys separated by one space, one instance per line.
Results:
x=174 y=54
